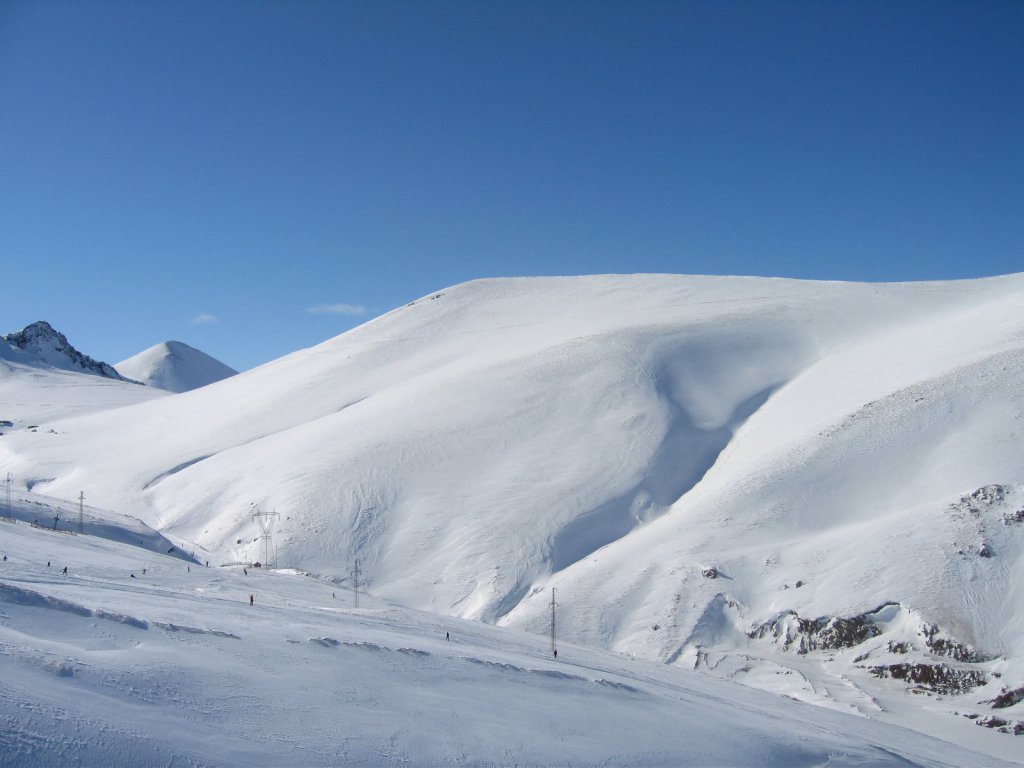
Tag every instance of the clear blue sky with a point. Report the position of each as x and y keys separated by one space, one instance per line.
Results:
x=214 y=172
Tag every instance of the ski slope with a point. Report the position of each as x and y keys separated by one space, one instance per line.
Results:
x=619 y=438
x=135 y=657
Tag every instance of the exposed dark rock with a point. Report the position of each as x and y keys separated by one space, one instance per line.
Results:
x=899 y=646
x=1007 y=698
x=709 y=573
x=1014 y=518
x=846 y=633
x=942 y=645
x=1003 y=726
x=40 y=339
x=937 y=678
x=984 y=550
x=825 y=633
x=974 y=502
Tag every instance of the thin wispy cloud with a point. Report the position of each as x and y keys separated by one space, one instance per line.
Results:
x=337 y=309
x=205 y=318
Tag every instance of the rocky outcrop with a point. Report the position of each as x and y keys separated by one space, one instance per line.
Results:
x=1007 y=698
x=41 y=343
x=824 y=633
x=1015 y=727
x=935 y=678
x=935 y=662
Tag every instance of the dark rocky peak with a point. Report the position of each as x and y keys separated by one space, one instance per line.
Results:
x=42 y=343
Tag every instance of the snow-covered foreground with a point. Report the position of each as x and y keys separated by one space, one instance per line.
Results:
x=815 y=489
x=141 y=658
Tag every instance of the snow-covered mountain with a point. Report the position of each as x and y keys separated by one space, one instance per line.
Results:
x=814 y=488
x=174 y=366
x=40 y=344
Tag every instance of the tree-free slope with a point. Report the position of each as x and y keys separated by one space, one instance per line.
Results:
x=138 y=658
x=175 y=367
x=617 y=437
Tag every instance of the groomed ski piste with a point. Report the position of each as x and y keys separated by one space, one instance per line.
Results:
x=813 y=489
x=138 y=656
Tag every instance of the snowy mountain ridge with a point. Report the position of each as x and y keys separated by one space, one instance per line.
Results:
x=40 y=344
x=765 y=480
x=175 y=367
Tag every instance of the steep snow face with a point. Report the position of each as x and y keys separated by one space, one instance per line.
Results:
x=175 y=367
x=617 y=438
x=39 y=344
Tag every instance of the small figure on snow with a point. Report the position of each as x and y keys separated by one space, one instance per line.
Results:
x=65 y=570
x=250 y=599
x=447 y=637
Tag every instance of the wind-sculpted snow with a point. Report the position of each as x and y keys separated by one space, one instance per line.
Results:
x=304 y=678
x=623 y=439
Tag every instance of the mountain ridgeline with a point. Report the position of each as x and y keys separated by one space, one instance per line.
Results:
x=40 y=344
x=789 y=483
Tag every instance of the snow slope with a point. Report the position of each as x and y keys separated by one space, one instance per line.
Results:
x=31 y=395
x=138 y=658
x=174 y=366
x=619 y=437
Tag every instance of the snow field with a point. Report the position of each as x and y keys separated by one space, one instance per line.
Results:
x=616 y=437
x=174 y=666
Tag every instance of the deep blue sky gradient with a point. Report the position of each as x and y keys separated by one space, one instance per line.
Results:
x=160 y=161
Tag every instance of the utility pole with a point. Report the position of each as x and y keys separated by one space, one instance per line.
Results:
x=81 y=514
x=554 y=649
x=355 y=585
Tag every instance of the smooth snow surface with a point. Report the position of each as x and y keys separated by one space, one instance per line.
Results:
x=140 y=658
x=174 y=366
x=32 y=395
x=625 y=438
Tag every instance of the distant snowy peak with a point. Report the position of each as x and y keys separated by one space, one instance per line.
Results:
x=175 y=367
x=39 y=343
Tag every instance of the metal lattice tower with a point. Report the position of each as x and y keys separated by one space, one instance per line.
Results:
x=265 y=522
x=355 y=585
